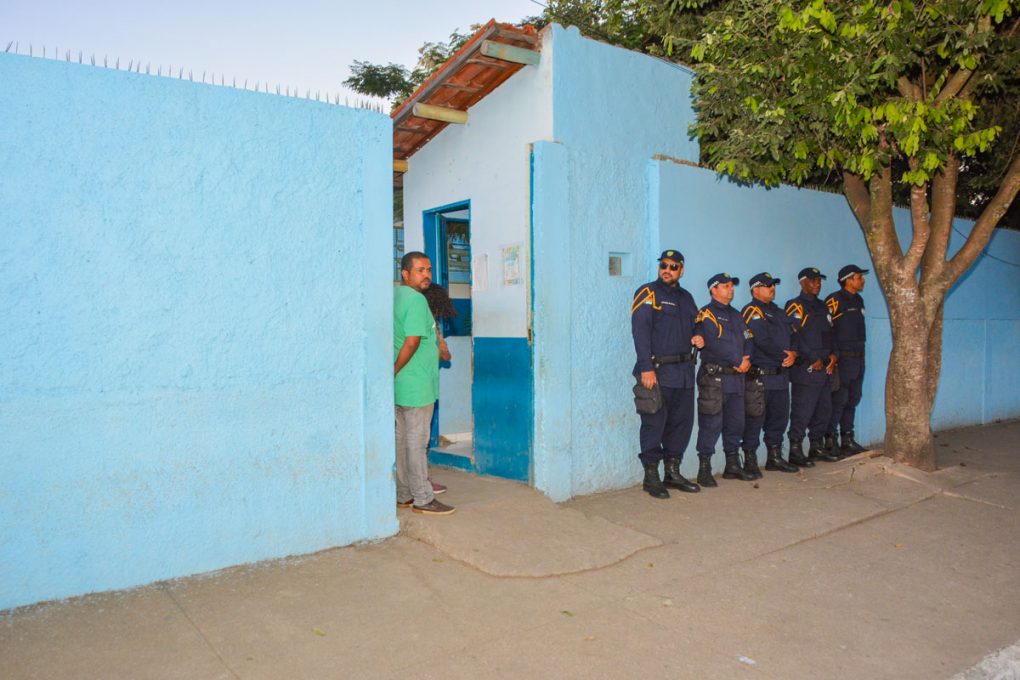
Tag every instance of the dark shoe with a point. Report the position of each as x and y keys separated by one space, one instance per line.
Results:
x=404 y=504
x=816 y=452
x=652 y=484
x=705 y=477
x=437 y=488
x=850 y=445
x=830 y=447
x=433 y=508
x=775 y=461
x=675 y=480
x=797 y=456
x=733 y=469
x=751 y=464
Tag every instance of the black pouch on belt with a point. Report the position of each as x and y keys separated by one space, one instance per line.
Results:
x=647 y=401
x=710 y=394
x=754 y=396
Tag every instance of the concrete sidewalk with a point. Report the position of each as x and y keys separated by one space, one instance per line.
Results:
x=858 y=569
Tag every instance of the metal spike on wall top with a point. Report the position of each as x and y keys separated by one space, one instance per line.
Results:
x=8 y=49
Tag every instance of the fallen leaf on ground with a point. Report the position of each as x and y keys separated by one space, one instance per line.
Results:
x=319 y=632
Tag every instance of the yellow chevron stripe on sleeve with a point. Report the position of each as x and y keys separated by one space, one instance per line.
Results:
x=639 y=300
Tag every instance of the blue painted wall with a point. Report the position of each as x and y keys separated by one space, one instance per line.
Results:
x=194 y=283
x=721 y=226
x=613 y=110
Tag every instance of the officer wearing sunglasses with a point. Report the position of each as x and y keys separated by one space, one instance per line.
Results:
x=662 y=323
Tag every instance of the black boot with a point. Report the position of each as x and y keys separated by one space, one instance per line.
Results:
x=816 y=452
x=675 y=480
x=830 y=447
x=751 y=464
x=775 y=460
x=652 y=484
x=850 y=445
x=797 y=456
x=705 y=477
x=733 y=469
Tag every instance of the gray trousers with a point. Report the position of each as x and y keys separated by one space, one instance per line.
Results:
x=414 y=424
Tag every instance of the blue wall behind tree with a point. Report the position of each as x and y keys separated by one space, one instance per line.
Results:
x=723 y=226
x=194 y=282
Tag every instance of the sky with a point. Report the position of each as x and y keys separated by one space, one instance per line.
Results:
x=303 y=44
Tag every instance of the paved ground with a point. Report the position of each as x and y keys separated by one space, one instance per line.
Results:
x=859 y=569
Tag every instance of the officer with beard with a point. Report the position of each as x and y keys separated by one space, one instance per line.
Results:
x=662 y=324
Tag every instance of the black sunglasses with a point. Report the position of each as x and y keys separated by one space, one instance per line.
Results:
x=670 y=267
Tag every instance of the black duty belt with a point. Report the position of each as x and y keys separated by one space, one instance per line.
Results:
x=715 y=369
x=756 y=371
x=673 y=359
x=852 y=355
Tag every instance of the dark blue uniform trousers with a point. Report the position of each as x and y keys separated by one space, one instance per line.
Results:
x=845 y=401
x=809 y=411
x=774 y=420
x=730 y=423
x=667 y=433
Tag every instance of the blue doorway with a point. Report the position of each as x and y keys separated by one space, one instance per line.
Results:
x=485 y=412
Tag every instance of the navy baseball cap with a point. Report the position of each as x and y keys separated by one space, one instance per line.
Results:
x=722 y=278
x=674 y=255
x=849 y=270
x=810 y=273
x=763 y=279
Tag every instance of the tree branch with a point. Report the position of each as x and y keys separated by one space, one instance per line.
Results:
x=943 y=211
x=856 y=192
x=908 y=89
x=990 y=216
x=960 y=79
x=880 y=232
x=954 y=85
x=919 y=223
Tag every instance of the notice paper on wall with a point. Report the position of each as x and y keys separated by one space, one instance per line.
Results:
x=512 y=265
x=480 y=273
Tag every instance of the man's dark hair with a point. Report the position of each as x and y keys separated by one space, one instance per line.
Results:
x=439 y=302
x=407 y=261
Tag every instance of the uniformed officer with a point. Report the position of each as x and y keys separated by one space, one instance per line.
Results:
x=846 y=307
x=810 y=375
x=771 y=356
x=662 y=323
x=725 y=358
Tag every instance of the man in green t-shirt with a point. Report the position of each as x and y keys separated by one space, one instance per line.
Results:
x=415 y=384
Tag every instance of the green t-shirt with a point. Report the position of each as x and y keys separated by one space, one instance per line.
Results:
x=417 y=383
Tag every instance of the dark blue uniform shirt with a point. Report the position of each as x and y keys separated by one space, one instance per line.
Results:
x=813 y=338
x=847 y=312
x=662 y=323
x=727 y=340
x=772 y=338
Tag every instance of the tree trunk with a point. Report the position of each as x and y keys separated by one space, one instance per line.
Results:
x=908 y=386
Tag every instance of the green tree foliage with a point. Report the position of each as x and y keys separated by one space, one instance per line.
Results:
x=895 y=98
x=397 y=83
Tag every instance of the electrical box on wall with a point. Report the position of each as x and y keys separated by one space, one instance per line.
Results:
x=619 y=264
